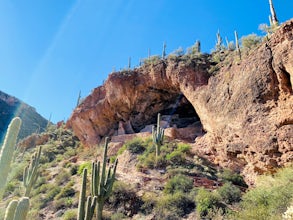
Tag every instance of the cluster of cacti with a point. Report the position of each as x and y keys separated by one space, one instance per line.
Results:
x=31 y=172
x=7 y=151
x=101 y=187
x=158 y=136
x=17 y=209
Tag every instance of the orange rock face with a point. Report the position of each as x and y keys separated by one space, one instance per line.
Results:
x=246 y=109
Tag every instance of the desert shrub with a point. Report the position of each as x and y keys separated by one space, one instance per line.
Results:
x=176 y=158
x=230 y=176
x=177 y=205
x=124 y=198
x=250 y=41
x=136 y=146
x=152 y=60
x=229 y=193
x=62 y=177
x=206 y=201
x=73 y=169
x=149 y=202
x=87 y=165
x=122 y=149
x=70 y=214
x=184 y=148
x=270 y=198
x=66 y=191
x=178 y=183
x=118 y=216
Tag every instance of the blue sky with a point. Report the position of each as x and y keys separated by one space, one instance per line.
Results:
x=52 y=49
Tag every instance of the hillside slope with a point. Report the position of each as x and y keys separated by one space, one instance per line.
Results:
x=11 y=107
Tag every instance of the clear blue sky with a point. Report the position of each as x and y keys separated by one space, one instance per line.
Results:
x=52 y=49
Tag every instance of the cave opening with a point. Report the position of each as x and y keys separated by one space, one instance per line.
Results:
x=286 y=81
x=180 y=114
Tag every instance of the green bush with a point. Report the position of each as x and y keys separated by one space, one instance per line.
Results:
x=73 y=169
x=178 y=183
x=206 y=201
x=250 y=41
x=70 y=214
x=149 y=202
x=118 y=216
x=62 y=177
x=235 y=178
x=229 y=193
x=184 y=148
x=176 y=158
x=87 y=165
x=66 y=191
x=177 y=205
x=136 y=146
x=124 y=198
x=270 y=198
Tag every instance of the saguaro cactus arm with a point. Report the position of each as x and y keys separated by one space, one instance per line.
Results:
x=31 y=172
x=81 y=203
x=7 y=151
x=17 y=210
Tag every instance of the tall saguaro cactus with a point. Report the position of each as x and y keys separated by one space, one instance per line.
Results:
x=164 y=50
x=273 y=18
x=237 y=44
x=102 y=181
x=158 y=136
x=17 y=210
x=86 y=207
x=101 y=188
x=7 y=151
x=31 y=172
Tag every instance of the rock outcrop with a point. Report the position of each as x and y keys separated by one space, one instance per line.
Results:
x=246 y=108
x=12 y=107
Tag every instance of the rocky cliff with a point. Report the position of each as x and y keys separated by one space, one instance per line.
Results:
x=245 y=108
x=11 y=107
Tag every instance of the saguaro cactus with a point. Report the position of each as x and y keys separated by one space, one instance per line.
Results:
x=158 y=136
x=17 y=210
x=102 y=181
x=7 y=151
x=101 y=188
x=164 y=50
x=31 y=173
x=219 y=43
x=237 y=44
x=86 y=209
x=273 y=18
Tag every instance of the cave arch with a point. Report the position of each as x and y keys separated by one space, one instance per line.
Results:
x=177 y=115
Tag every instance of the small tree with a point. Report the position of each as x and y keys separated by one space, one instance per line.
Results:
x=250 y=41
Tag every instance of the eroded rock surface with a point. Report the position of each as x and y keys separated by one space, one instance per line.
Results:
x=246 y=109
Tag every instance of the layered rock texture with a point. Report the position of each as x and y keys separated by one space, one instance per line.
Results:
x=10 y=107
x=241 y=116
